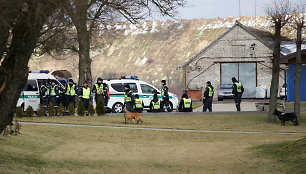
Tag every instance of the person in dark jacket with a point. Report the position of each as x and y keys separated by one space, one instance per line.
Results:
x=237 y=91
x=165 y=96
x=155 y=104
x=208 y=97
x=45 y=94
x=129 y=98
x=106 y=94
x=99 y=90
x=70 y=92
x=84 y=94
x=138 y=107
x=185 y=104
x=54 y=95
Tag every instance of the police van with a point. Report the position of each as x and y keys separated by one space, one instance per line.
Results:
x=30 y=95
x=143 y=89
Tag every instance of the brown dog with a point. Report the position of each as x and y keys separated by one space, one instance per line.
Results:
x=128 y=116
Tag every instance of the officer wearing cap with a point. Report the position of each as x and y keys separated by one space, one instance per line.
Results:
x=54 y=95
x=84 y=94
x=208 y=97
x=129 y=98
x=165 y=96
x=70 y=93
x=45 y=93
x=99 y=90
x=237 y=91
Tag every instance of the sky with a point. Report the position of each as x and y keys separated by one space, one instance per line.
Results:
x=221 y=8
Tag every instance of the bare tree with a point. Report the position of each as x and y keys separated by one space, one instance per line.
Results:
x=25 y=27
x=299 y=18
x=279 y=12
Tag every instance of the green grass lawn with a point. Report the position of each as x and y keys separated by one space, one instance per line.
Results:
x=63 y=149
x=290 y=105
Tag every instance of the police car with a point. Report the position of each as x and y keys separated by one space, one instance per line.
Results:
x=30 y=95
x=143 y=89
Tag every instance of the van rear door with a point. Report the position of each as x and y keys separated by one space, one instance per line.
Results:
x=31 y=95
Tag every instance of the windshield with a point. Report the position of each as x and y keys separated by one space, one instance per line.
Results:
x=226 y=86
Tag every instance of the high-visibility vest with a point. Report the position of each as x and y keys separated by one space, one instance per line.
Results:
x=156 y=105
x=53 y=93
x=163 y=90
x=126 y=97
x=47 y=91
x=138 y=103
x=70 y=91
x=187 y=103
x=210 y=92
x=99 y=88
x=86 y=93
x=239 y=86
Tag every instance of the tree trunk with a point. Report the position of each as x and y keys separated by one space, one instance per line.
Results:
x=275 y=72
x=298 y=73
x=84 y=42
x=14 y=68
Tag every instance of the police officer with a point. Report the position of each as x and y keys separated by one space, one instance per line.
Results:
x=106 y=94
x=165 y=96
x=84 y=94
x=45 y=92
x=237 y=91
x=129 y=98
x=54 y=95
x=185 y=104
x=155 y=104
x=71 y=91
x=138 y=107
x=208 y=97
x=99 y=90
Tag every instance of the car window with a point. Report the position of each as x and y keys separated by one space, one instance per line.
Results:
x=226 y=86
x=31 y=86
x=147 y=89
x=117 y=87
x=133 y=87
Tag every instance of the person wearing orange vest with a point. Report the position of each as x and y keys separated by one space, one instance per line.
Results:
x=237 y=91
x=84 y=94
x=208 y=97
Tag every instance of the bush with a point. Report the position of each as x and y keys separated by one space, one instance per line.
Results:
x=71 y=109
x=81 y=109
x=61 y=110
x=100 y=109
x=19 y=112
x=40 y=111
x=91 y=110
x=51 y=110
x=30 y=111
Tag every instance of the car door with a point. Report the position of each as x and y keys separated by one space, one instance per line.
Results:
x=147 y=94
x=31 y=95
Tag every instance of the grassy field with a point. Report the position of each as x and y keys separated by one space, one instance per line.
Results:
x=290 y=105
x=62 y=149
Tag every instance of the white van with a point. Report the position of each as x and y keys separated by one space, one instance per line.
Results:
x=30 y=96
x=143 y=89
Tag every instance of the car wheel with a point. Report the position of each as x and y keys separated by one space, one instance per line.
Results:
x=117 y=108
x=220 y=99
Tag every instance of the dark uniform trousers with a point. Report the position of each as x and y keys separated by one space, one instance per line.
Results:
x=165 y=104
x=86 y=103
x=129 y=106
x=69 y=99
x=238 y=101
x=97 y=96
x=45 y=102
x=54 y=100
x=208 y=104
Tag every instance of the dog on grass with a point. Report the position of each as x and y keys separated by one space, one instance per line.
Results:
x=283 y=117
x=128 y=116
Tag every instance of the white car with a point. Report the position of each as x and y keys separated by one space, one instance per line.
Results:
x=30 y=96
x=143 y=89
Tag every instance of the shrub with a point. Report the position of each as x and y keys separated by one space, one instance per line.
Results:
x=71 y=109
x=19 y=112
x=100 y=109
x=81 y=109
x=91 y=110
x=51 y=110
x=40 y=111
x=61 y=110
x=30 y=111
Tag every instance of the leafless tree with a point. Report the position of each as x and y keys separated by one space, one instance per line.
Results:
x=279 y=12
